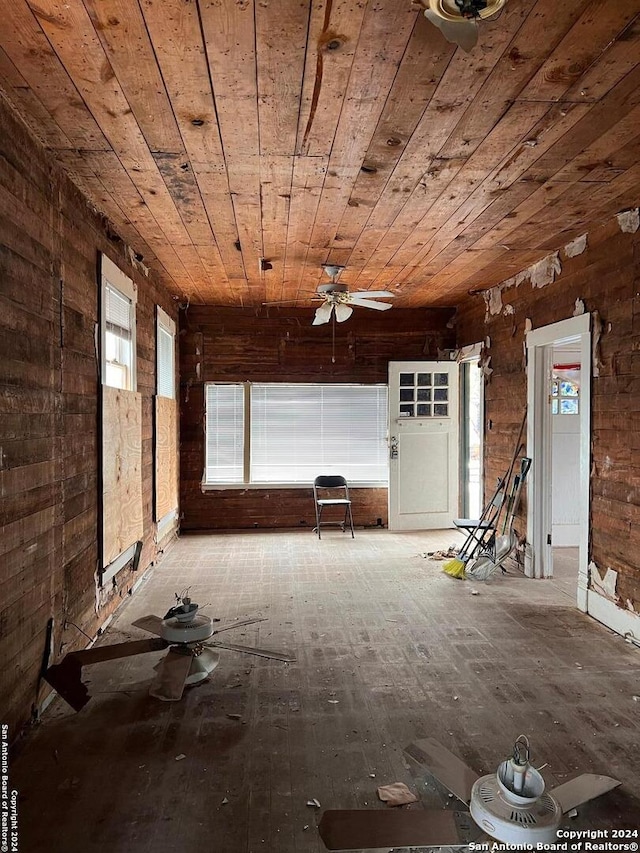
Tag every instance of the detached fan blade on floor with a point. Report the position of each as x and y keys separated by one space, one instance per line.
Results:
x=66 y=677
x=239 y=624
x=286 y=657
x=357 y=829
x=172 y=672
x=448 y=769
x=583 y=788
x=152 y=624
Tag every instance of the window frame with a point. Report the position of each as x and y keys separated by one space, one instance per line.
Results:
x=247 y=484
x=164 y=324
x=112 y=275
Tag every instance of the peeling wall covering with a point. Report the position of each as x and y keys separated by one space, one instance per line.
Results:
x=629 y=220
x=603 y=280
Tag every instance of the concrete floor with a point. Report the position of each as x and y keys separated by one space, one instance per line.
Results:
x=388 y=649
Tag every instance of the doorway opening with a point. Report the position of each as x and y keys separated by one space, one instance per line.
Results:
x=471 y=434
x=558 y=440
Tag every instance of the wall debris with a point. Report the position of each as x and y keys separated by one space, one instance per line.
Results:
x=576 y=247
x=605 y=586
x=596 y=360
x=629 y=220
x=546 y=270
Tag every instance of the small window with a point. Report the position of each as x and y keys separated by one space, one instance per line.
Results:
x=165 y=355
x=118 y=328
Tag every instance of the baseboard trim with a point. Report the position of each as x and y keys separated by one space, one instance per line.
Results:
x=623 y=622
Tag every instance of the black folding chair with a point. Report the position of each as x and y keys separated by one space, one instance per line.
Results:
x=333 y=484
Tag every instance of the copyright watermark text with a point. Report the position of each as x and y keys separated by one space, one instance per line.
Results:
x=8 y=799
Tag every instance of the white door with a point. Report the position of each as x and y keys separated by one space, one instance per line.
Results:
x=423 y=444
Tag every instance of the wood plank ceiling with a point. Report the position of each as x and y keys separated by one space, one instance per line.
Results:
x=214 y=133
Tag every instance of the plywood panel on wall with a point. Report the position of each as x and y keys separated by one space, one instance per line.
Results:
x=121 y=471
x=166 y=490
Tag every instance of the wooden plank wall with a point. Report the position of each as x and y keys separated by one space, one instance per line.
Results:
x=605 y=277
x=49 y=240
x=122 y=523
x=166 y=481
x=235 y=345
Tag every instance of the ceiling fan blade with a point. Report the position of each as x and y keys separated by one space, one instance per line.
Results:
x=172 y=674
x=323 y=314
x=150 y=623
x=445 y=766
x=357 y=829
x=66 y=677
x=250 y=650
x=343 y=312
x=463 y=33
x=240 y=624
x=583 y=788
x=369 y=303
x=374 y=294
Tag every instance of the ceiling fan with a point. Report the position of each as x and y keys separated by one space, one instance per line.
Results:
x=510 y=805
x=338 y=302
x=189 y=661
x=458 y=19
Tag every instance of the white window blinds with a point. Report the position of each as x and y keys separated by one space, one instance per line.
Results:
x=118 y=339
x=166 y=371
x=117 y=313
x=225 y=434
x=301 y=431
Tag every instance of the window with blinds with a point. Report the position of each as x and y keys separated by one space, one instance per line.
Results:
x=224 y=434
x=118 y=338
x=165 y=355
x=296 y=432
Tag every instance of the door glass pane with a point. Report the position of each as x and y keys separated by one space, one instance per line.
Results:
x=424 y=410
x=406 y=379
x=424 y=394
x=441 y=410
x=568 y=407
x=441 y=379
x=441 y=394
x=406 y=395
x=406 y=411
x=424 y=379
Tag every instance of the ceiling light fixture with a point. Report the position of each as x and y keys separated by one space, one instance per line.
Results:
x=458 y=19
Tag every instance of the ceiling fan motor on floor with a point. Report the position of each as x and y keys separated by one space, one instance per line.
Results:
x=510 y=805
x=192 y=654
x=458 y=19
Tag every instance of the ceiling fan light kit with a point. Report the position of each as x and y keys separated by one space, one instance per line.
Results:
x=458 y=19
